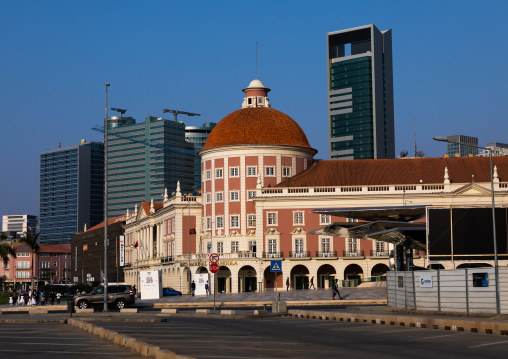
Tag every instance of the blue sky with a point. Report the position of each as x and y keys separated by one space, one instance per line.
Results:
x=449 y=61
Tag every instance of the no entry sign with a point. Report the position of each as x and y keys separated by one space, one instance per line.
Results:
x=214 y=267
x=214 y=257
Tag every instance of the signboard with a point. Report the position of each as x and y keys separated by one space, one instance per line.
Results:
x=150 y=283
x=214 y=267
x=480 y=279
x=426 y=281
x=200 y=281
x=85 y=247
x=214 y=258
x=276 y=266
x=122 y=251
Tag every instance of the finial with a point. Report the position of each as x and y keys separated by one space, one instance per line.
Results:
x=152 y=208
x=127 y=214
x=259 y=181
x=136 y=208
x=446 y=177
x=495 y=175
x=166 y=195
x=178 y=190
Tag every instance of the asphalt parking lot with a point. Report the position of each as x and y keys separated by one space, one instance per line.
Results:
x=41 y=341
x=302 y=338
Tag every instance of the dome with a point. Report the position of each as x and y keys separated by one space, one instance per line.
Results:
x=257 y=126
x=256 y=85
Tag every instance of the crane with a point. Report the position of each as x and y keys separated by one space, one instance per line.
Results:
x=176 y=113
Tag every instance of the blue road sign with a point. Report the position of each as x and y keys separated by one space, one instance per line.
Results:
x=275 y=266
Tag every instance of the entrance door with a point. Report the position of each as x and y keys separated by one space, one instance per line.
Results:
x=302 y=282
x=221 y=285
x=250 y=284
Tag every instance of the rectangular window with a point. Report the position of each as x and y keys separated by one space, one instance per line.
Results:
x=252 y=171
x=325 y=246
x=297 y=217
x=218 y=173
x=251 y=220
x=272 y=218
x=55 y=264
x=272 y=247
x=252 y=246
x=234 y=247
x=208 y=175
x=64 y=265
x=235 y=222
x=208 y=223
x=235 y=196
x=208 y=198
x=218 y=196
x=251 y=194
x=270 y=171
x=299 y=247
x=220 y=222
x=220 y=247
x=65 y=256
x=326 y=219
x=44 y=265
x=352 y=246
x=380 y=248
x=286 y=171
x=233 y=172
x=209 y=247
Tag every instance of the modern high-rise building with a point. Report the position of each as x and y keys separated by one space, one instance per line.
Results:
x=497 y=148
x=144 y=159
x=16 y=225
x=197 y=135
x=360 y=93
x=461 y=149
x=71 y=190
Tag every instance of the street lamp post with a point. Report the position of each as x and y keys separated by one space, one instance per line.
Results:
x=496 y=266
x=106 y=204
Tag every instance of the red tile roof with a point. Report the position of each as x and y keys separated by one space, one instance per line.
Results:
x=156 y=206
x=258 y=125
x=398 y=171
x=110 y=221
x=45 y=248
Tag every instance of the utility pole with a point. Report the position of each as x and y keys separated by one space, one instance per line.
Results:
x=106 y=204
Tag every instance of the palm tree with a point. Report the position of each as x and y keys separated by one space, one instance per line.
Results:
x=6 y=250
x=32 y=241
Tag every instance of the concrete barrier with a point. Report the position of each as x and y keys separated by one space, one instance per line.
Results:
x=84 y=311
x=138 y=346
x=164 y=354
x=169 y=311
x=260 y=311
x=227 y=312
x=202 y=311
x=279 y=307
x=128 y=342
x=149 y=350
x=129 y=310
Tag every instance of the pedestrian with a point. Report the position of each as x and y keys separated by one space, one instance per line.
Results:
x=207 y=288
x=58 y=296
x=335 y=289
x=287 y=284
x=11 y=302
x=193 y=288
x=312 y=283
x=43 y=298
x=52 y=297
x=14 y=297
x=134 y=290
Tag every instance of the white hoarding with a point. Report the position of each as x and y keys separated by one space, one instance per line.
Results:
x=122 y=251
x=426 y=281
x=150 y=283
x=200 y=280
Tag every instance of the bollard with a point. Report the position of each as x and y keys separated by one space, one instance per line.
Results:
x=70 y=307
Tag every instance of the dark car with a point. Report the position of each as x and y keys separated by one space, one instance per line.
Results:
x=170 y=291
x=118 y=295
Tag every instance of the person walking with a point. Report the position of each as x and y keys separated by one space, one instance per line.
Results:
x=312 y=283
x=58 y=296
x=52 y=297
x=193 y=288
x=207 y=288
x=287 y=284
x=335 y=289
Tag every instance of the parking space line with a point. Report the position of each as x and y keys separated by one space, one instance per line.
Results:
x=439 y=336
x=487 y=344
x=393 y=331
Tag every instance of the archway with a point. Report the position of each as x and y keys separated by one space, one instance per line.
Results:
x=269 y=279
x=201 y=270
x=474 y=265
x=247 y=279
x=326 y=275
x=354 y=274
x=435 y=266
x=379 y=269
x=223 y=280
x=299 y=277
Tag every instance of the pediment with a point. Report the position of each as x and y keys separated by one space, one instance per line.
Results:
x=299 y=231
x=272 y=231
x=472 y=189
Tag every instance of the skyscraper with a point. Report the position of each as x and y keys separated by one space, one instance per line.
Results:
x=461 y=149
x=144 y=159
x=71 y=190
x=360 y=93
x=197 y=135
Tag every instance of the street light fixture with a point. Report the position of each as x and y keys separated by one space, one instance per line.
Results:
x=496 y=266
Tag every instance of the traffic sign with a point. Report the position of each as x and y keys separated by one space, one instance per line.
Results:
x=214 y=257
x=275 y=266
x=214 y=267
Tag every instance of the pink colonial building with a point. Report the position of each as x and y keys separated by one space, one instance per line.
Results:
x=51 y=265
x=260 y=184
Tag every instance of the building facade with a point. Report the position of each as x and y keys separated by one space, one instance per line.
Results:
x=260 y=186
x=497 y=148
x=197 y=135
x=461 y=149
x=17 y=225
x=71 y=190
x=51 y=265
x=144 y=159
x=360 y=94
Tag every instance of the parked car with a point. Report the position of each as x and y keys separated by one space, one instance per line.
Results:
x=170 y=291
x=118 y=295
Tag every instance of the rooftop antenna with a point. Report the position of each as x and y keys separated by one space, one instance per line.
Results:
x=256 y=60
x=414 y=129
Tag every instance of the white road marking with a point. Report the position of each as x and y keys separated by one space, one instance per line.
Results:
x=91 y=352
x=392 y=331
x=439 y=336
x=487 y=344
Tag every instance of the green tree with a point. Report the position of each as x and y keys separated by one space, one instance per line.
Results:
x=6 y=250
x=32 y=241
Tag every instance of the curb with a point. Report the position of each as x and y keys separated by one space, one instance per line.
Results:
x=473 y=326
x=140 y=347
x=269 y=303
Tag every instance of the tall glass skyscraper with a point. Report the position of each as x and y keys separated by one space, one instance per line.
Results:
x=360 y=94
x=197 y=135
x=144 y=159
x=71 y=190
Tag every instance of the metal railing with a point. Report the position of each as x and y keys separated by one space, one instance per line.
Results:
x=326 y=254
x=352 y=254
x=273 y=254
x=374 y=253
x=299 y=254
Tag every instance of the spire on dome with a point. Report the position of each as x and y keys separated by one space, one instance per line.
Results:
x=256 y=95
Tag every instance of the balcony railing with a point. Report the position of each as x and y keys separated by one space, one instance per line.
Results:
x=379 y=254
x=246 y=254
x=326 y=254
x=352 y=254
x=273 y=254
x=299 y=254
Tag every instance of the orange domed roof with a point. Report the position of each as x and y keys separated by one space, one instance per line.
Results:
x=256 y=126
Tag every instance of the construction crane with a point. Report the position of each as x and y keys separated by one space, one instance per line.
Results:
x=176 y=113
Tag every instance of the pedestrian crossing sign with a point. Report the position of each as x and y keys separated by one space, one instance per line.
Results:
x=275 y=266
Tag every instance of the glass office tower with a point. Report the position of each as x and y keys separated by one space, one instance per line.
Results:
x=461 y=149
x=360 y=94
x=71 y=190
x=197 y=135
x=144 y=159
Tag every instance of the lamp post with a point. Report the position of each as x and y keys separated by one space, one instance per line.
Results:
x=106 y=204
x=496 y=266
